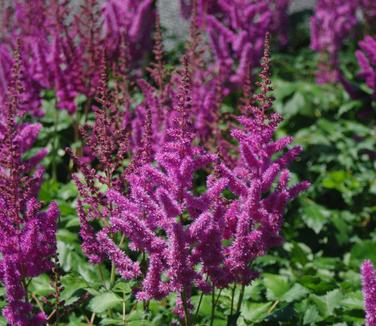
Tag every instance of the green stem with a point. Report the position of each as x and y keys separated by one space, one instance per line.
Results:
x=218 y=296
x=234 y=317
x=112 y=277
x=198 y=307
x=25 y=286
x=124 y=319
x=232 y=299
x=101 y=275
x=240 y=300
x=213 y=307
x=55 y=145
x=186 y=310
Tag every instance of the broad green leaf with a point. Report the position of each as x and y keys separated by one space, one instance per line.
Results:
x=297 y=292
x=353 y=300
x=256 y=311
x=314 y=215
x=104 y=301
x=276 y=286
x=311 y=315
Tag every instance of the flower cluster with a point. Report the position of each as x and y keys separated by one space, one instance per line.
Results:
x=332 y=23
x=27 y=233
x=369 y=292
x=184 y=240
x=62 y=52
x=237 y=29
x=367 y=61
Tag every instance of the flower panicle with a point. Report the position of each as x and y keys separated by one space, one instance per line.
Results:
x=28 y=232
x=369 y=291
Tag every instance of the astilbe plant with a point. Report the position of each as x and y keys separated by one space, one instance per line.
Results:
x=27 y=232
x=259 y=203
x=367 y=61
x=160 y=95
x=331 y=24
x=236 y=30
x=186 y=241
x=239 y=36
x=69 y=39
x=369 y=292
x=132 y=21
x=369 y=12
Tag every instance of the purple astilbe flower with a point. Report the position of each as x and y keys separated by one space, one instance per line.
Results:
x=184 y=240
x=254 y=220
x=28 y=234
x=161 y=199
x=367 y=61
x=332 y=23
x=106 y=142
x=369 y=292
x=195 y=227
x=70 y=46
x=369 y=10
x=132 y=20
x=239 y=36
x=236 y=30
x=207 y=93
x=280 y=20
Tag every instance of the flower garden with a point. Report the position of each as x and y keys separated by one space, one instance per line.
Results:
x=228 y=179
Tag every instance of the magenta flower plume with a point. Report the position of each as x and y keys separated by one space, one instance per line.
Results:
x=130 y=20
x=367 y=61
x=254 y=220
x=369 y=292
x=173 y=239
x=28 y=233
x=69 y=46
x=332 y=23
x=237 y=29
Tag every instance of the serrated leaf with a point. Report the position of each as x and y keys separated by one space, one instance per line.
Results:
x=333 y=300
x=327 y=303
x=104 y=301
x=353 y=300
x=255 y=311
x=311 y=315
x=276 y=286
x=295 y=293
x=314 y=215
x=363 y=250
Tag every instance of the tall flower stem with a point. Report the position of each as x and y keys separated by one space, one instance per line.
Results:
x=234 y=317
x=112 y=276
x=232 y=298
x=240 y=300
x=198 y=307
x=187 y=319
x=55 y=145
x=213 y=306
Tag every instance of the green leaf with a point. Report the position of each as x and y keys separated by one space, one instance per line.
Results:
x=328 y=302
x=314 y=215
x=104 y=302
x=294 y=105
x=297 y=292
x=276 y=286
x=255 y=311
x=363 y=250
x=353 y=300
x=333 y=300
x=311 y=315
x=41 y=285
